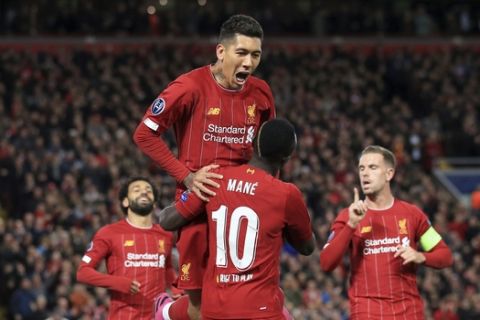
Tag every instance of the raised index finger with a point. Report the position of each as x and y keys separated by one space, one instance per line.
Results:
x=356 y=197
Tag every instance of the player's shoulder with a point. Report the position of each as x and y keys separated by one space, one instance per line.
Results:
x=111 y=229
x=287 y=188
x=260 y=83
x=194 y=74
x=407 y=207
x=260 y=86
x=158 y=229
x=343 y=215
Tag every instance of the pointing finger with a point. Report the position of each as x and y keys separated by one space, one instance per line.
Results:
x=356 y=197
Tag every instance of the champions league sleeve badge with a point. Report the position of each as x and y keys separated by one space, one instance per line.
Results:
x=158 y=106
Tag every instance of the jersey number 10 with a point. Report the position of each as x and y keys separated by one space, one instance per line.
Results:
x=250 y=245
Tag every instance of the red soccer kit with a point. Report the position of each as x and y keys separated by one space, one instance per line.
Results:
x=247 y=220
x=131 y=253
x=380 y=286
x=211 y=125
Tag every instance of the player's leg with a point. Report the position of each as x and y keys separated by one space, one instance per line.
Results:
x=195 y=300
x=192 y=248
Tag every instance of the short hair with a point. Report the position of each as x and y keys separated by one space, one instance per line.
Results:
x=123 y=193
x=240 y=24
x=276 y=140
x=388 y=155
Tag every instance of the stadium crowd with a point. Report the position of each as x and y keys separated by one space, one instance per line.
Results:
x=66 y=125
x=190 y=18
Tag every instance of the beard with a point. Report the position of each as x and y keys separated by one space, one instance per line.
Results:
x=141 y=208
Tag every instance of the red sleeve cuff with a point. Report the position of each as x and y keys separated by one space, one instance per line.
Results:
x=190 y=207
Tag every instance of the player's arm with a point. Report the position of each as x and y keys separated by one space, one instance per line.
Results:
x=298 y=230
x=161 y=115
x=436 y=253
x=337 y=244
x=181 y=212
x=88 y=274
x=341 y=233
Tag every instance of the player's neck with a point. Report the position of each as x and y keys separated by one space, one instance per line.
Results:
x=138 y=221
x=265 y=166
x=219 y=77
x=381 y=201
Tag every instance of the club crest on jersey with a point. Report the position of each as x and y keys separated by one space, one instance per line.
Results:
x=185 y=276
x=251 y=114
x=158 y=106
x=250 y=171
x=402 y=226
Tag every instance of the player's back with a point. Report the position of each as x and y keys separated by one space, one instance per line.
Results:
x=246 y=222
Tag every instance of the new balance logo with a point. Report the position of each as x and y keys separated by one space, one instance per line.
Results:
x=213 y=111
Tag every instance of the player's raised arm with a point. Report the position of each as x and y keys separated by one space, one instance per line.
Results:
x=181 y=212
x=342 y=232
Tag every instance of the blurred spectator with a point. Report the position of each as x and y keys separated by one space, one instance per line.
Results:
x=67 y=115
x=192 y=18
x=475 y=199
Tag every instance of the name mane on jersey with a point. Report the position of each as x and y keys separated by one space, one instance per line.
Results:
x=152 y=260
x=245 y=187
x=229 y=135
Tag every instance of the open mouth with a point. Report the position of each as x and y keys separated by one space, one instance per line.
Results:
x=241 y=77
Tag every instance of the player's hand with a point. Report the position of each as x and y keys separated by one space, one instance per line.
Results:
x=134 y=287
x=408 y=254
x=357 y=210
x=199 y=181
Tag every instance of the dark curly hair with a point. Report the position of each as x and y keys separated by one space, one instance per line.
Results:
x=123 y=193
x=240 y=24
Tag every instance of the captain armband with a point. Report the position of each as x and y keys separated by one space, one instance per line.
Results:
x=430 y=239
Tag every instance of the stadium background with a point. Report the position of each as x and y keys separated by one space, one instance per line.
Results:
x=77 y=76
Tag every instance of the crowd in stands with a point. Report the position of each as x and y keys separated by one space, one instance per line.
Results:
x=66 y=124
x=202 y=17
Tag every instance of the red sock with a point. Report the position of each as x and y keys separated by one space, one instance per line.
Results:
x=179 y=309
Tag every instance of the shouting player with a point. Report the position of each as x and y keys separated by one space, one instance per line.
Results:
x=215 y=112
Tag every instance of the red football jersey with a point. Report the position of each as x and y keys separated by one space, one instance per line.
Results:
x=141 y=254
x=380 y=286
x=247 y=219
x=211 y=124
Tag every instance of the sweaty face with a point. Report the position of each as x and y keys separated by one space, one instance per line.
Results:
x=239 y=58
x=140 y=198
x=374 y=173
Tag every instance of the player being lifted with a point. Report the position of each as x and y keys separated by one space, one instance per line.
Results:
x=215 y=112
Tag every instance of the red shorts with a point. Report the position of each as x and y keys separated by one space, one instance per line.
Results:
x=192 y=246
